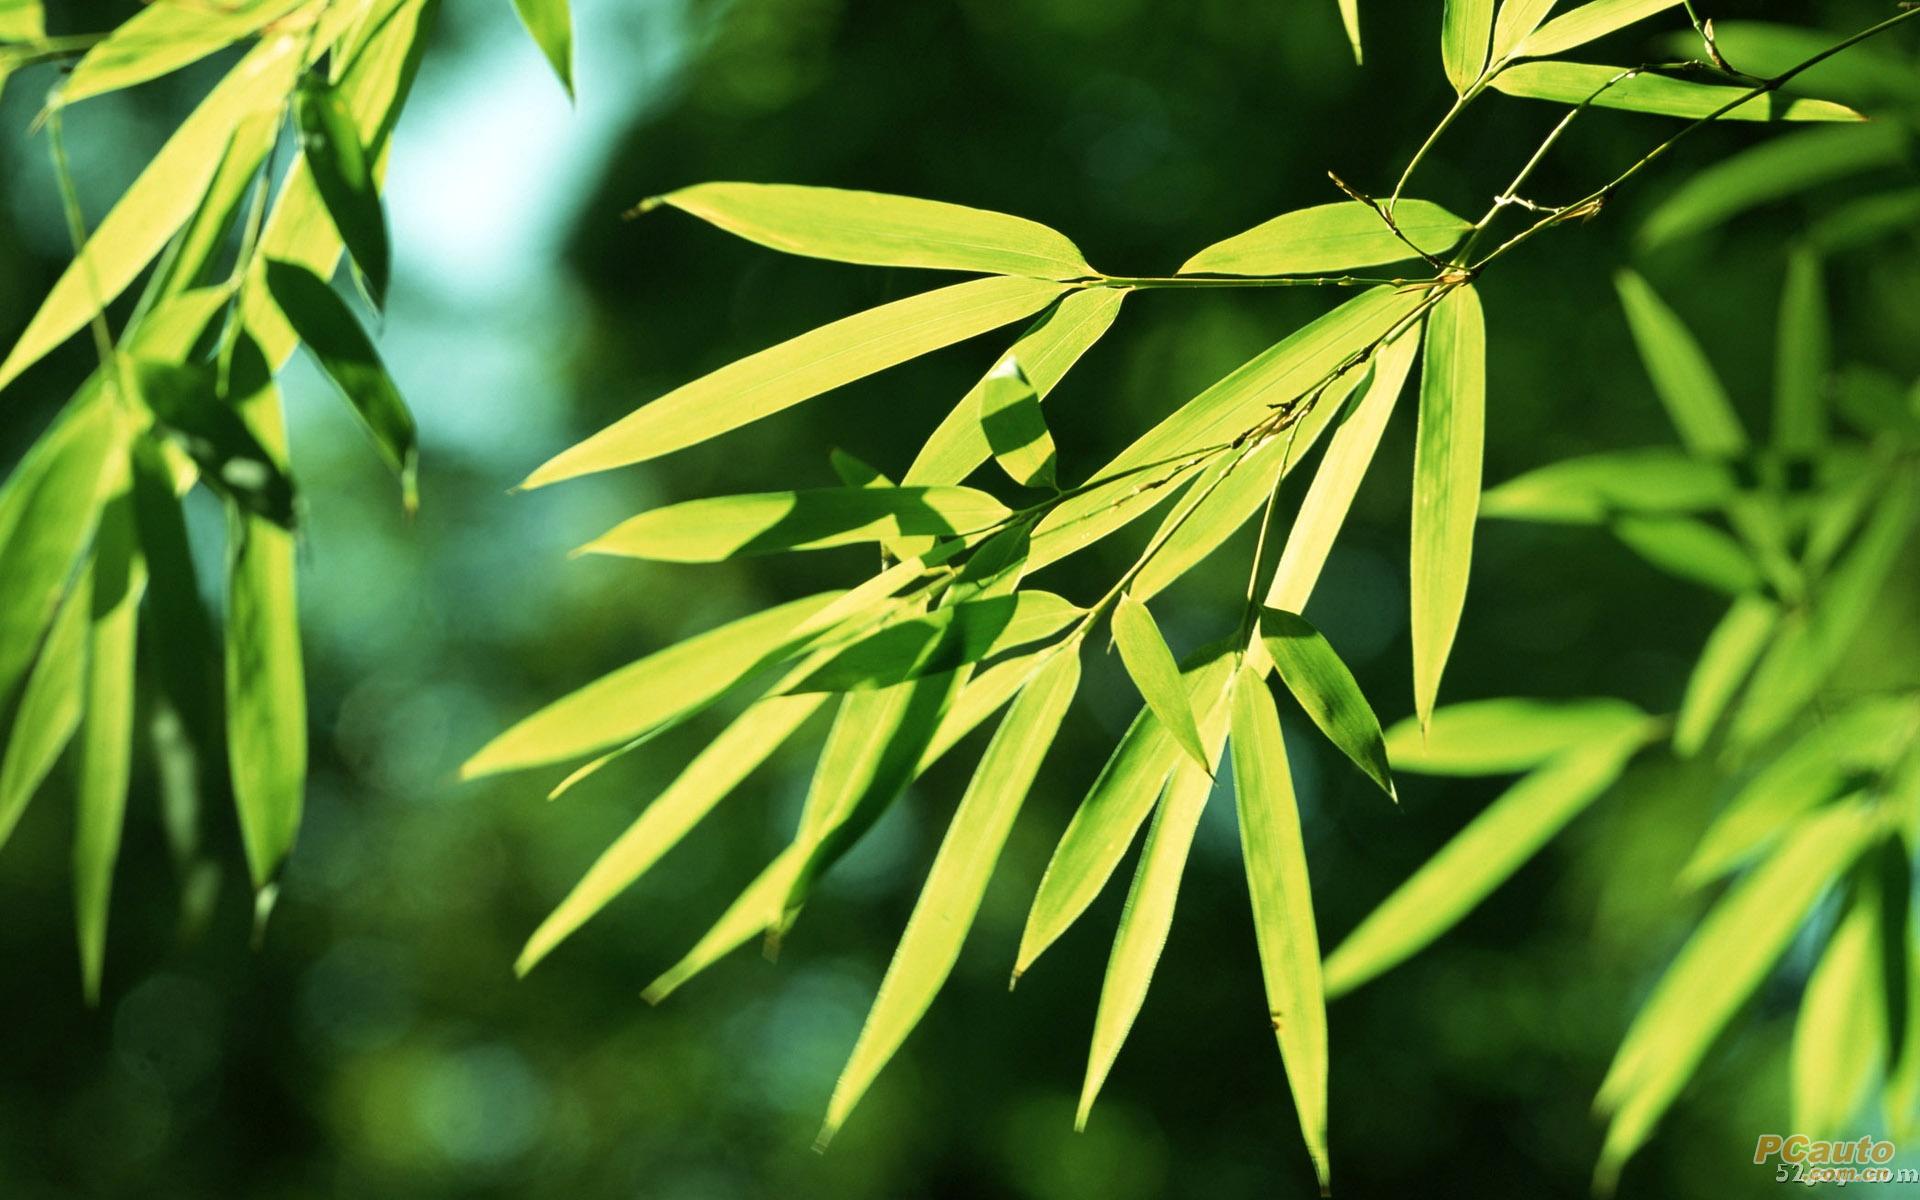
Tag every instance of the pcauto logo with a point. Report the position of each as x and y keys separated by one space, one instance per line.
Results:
x=1797 y=1158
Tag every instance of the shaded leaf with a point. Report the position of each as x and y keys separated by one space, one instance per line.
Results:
x=1330 y=237
x=1327 y=691
x=1151 y=666
x=1446 y=479
x=1501 y=737
x=1015 y=430
x=1661 y=95
x=1863 y=73
x=342 y=172
x=726 y=527
x=1769 y=172
x=186 y=404
x=1803 y=353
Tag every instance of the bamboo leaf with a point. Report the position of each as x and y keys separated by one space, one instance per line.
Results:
x=1682 y=377
x=1045 y=352
x=157 y=204
x=1111 y=814
x=1480 y=858
x=1803 y=353
x=707 y=780
x=794 y=371
x=550 y=23
x=1660 y=95
x=1588 y=22
x=1327 y=692
x=1690 y=549
x=882 y=230
x=1351 y=450
x=1725 y=662
x=50 y=706
x=725 y=527
x=1655 y=482
x=1277 y=884
x=330 y=330
x=646 y=695
x=1862 y=220
x=1330 y=237
x=1446 y=480
x=1515 y=23
x=1843 y=1031
x=968 y=631
x=1152 y=668
x=1865 y=73
x=958 y=879
x=1466 y=32
x=187 y=406
x=1769 y=172
x=1503 y=737
x=342 y=172
x=1015 y=429
x=22 y=21
x=162 y=38
x=1350 y=20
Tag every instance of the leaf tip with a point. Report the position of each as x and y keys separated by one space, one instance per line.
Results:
x=643 y=208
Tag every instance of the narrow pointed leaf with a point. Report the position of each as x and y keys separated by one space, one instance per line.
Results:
x=1327 y=691
x=1466 y=33
x=1594 y=19
x=958 y=634
x=1153 y=670
x=50 y=706
x=1771 y=171
x=1682 y=377
x=1515 y=22
x=343 y=173
x=162 y=38
x=1660 y=95
x=1446 y=482
x=1350 y=20
x=550 y=22
x=1725 y=662
x=1504 y=737
x=1802 y=358
x=1288 y=939
x=1014 y=427
x=1330 y=237
x=1591 y=489
x=1690 y=549
x=1842 y=1032
x=726 y=527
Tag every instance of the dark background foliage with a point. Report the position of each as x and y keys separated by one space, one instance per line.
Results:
x=376 y=1042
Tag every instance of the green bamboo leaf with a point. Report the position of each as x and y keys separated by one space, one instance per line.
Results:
x=1466 y=32
x=743 y=920
x=1111 y=814
x=1590 y=490
x=965 y=632
x=187 y=407
x=647 y=695
x=1660 y=95
x=1351 y=450
x=1862 y=220
x=1844 y=1028
x=958 y=879
x=1803 y=354
x=157 y=204
x=162 y=38
x=1481 y=857
x=1015 y=429
x=707 y=780
x=1503 y=737
x=50 y=706
x=1588 y=22
x=190 y=262
x=1515 y=23
x=1144 y=921
x=881 y=230
x=1690 y=549
x=1330 y=237
x=265 y=683
x=105 y=738
x=1277 y=883
x=1045 y=352
x=1350 y=20
x=1728 y=956
x=1327 y=692
x=762 y=384
x=724 y=527
x=1818 y=766
x=1864 y=73
x=333 y=334
x=22 y=21
x=1152 y=668
x=550 y=23
x=1725 y=662
x=342 y=172
x=1876 y=403
x=1681 y=375
x=1769 y=172
x=1446 y=479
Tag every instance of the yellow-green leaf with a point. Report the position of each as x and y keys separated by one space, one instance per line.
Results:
x=1350 y=20
x=1015 y=429
x=1153 y=670
x=163 y=37
x=1502 y=737
x=1690 y=549
x=22 y=21
x=1515 y=23
x=1661 y=95
x=1330 y=237
x=1446 y=481
x=1685 y=381
x=724 y=527
x=1725 y=662
x=952 y=636
x=1657 y=481
x=1592 y=20
x=1844 y=1028
x=550 y=22
x=50 y=706
x=1466 y=31
x=1327 y=691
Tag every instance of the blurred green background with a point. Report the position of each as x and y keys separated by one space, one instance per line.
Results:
x=376 y=1043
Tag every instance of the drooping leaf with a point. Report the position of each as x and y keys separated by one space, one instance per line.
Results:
x=706 y=781
x=762 y=384
x=646 y=695
x=1481 y=857
x=1684 y=380
x=187 y=405
x=342 y=172
x=1844 y=1027
x=952 y=636
x=1662 y=95
x=1330 y=237
x=882 y=230
x=1769 y=172
x=726 y=527
x=1466 y=32
x=50 y=706
x=1446 y=480
x=1152 y=667
x=1725 y=662
x=1690 y=549
x=958 y=879
x=1327 y=691
x=550 y=23
x=1594 y=19
x=1502 y=737
x=333 y=334
x=161 y=38
x=1655 y=482
x=1283 y=924
x=1802 y=357
x=1015 y=429
x=1515 y=22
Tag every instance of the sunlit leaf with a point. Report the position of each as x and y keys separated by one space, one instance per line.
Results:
x=1727 y=659
x=1501 y=737
x=762 y=384
x=1466 y=32
x=1662 y=95
x=1844 y=1027
x=163 y=37
x=1769 y=172
x=1350 y=20
x=1803 y=349
x=1481 y=857
x=22 y=21
x=1151 y=666
x=958 y=879
x=1015 y=430
x=1682 y=377
x=550 y=22
x=951 y=636
x=50 y=706
x=1594 y=19
x=1657 y=481
x=1446 y=480
x=1690 y=549
x=726 y=527
x=882 y=230
x=343 y=174
x=1327 y=691
x=1330 y=237
x=1515 y=22
x=1283 y=924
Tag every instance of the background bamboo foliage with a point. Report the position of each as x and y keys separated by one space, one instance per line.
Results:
x=258 y=229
